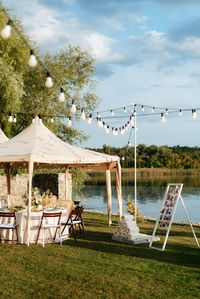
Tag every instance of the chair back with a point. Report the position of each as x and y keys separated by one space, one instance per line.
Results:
x=7 y=214
x=51 y=215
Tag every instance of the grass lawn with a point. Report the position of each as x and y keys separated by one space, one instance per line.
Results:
x=101 y=268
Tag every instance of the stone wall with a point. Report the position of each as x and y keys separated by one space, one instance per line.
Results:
x=19 y=185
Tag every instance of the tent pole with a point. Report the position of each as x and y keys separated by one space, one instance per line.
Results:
x=119 y=189
x=30 y=176
x=109 y=195
x=66 y=182
x=135 y=166
x=8 y=185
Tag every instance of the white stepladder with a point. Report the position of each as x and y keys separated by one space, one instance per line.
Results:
x=165 y=218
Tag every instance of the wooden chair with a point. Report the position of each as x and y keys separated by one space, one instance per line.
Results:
x=73 y=220
x=44 y=225
x=6 y=225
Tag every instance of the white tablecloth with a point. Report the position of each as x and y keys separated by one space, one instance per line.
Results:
x=21 y=220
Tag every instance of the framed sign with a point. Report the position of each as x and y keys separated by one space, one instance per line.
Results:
x=167 y=212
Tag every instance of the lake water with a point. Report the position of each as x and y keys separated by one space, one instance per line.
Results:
x=149 y=200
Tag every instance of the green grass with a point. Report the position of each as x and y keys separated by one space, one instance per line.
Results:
x=100 y=268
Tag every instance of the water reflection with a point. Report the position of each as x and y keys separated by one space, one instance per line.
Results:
x=149 y=198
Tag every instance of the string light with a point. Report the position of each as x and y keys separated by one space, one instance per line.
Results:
x=40 y=119
x=10 y=118
x=49 y=81
x=163 y=120
x=166 y=111
x=32 y=62
x=116 y=132
x=73 y=107
x=61 y=97
x=180 y=112
x=82 y=114
x=112 y=113
x=142 y=108
x=107 y=130
x=153 y=109
x=99 y=123
x=113 y=131
x=89 y=120
x=6 y=31
x=52 y=120
x=70 y=121
x=125 y=110
x=194 y=115
x=14 y=119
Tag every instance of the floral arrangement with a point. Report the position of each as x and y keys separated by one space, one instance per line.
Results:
x=47 y=199
x=131 y=210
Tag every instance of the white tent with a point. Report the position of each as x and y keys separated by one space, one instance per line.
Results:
x=3 y=137
x=37 y=146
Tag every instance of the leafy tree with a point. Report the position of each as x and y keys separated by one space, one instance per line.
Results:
x=23 y=89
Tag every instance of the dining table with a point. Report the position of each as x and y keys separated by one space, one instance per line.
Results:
x=21 y=221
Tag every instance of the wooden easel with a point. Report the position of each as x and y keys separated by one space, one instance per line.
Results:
x=167 y=212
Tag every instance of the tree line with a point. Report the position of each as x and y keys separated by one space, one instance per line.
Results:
x=177 y=157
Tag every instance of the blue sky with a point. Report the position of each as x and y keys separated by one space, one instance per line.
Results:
x=146 y=52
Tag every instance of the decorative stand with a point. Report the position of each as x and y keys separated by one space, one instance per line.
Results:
x=127 y=231
x=165 y=218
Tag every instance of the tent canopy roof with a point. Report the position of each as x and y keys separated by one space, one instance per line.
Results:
x=3 y=137
x=38 y=144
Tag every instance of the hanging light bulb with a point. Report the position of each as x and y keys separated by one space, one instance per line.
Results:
x=14 y=119
x=194 y=115
x=166 y=111
x=116 y=132
x=107 y=130
x=132 y=120
x=104 y=125
x=70 y=121
x=163 y=120
x=73 y=107
x=112 y=113
x=49 y=81
x=126 y=128
x=6 y=31
x=153 y=109
x=180 y=112
x=61 y=97
x=129 y=144
x=125 y=110
x=10 y=118
x=113 y=131
x=142 y=108
x=98 y=115
x=128 y=124
x=51 y=120
x=99 y=123
x=121 y=131
x=89 y=120
x=40 y=119
x=32 y=62
x=123 y=158
x=82 y=114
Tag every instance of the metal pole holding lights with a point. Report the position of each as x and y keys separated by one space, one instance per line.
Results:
x=135 y=166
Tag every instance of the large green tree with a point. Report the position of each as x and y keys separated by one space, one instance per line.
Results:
x=23 y=91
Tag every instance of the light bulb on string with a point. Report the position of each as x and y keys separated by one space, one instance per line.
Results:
x=6 y=31
x=49 y=81
x=125 y=110
x=100 y=123
x=14 y=119
x=142 y=108
x=32 y=62
x=194 y=115
x=123 y=158
x=89 y=120
x=166 y=111
x=104 y=125
x=180 y=112
x=126 y=128
x=51 y=120
x=107 y=130
x=40 y=119
x=73 y=107
x=61 y=97
x=69 y=121
x=113 y=131
x=98 y=115
x=10 y=118
x=129 y=144
x=153 y=109
x=163 y=120
x=82 y=114
x=116 y=132
x=128 y=124
x=112 y=113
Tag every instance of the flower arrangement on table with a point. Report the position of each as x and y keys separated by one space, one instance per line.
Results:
x=40 y=201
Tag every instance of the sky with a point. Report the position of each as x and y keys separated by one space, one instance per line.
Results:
x=146 y=52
